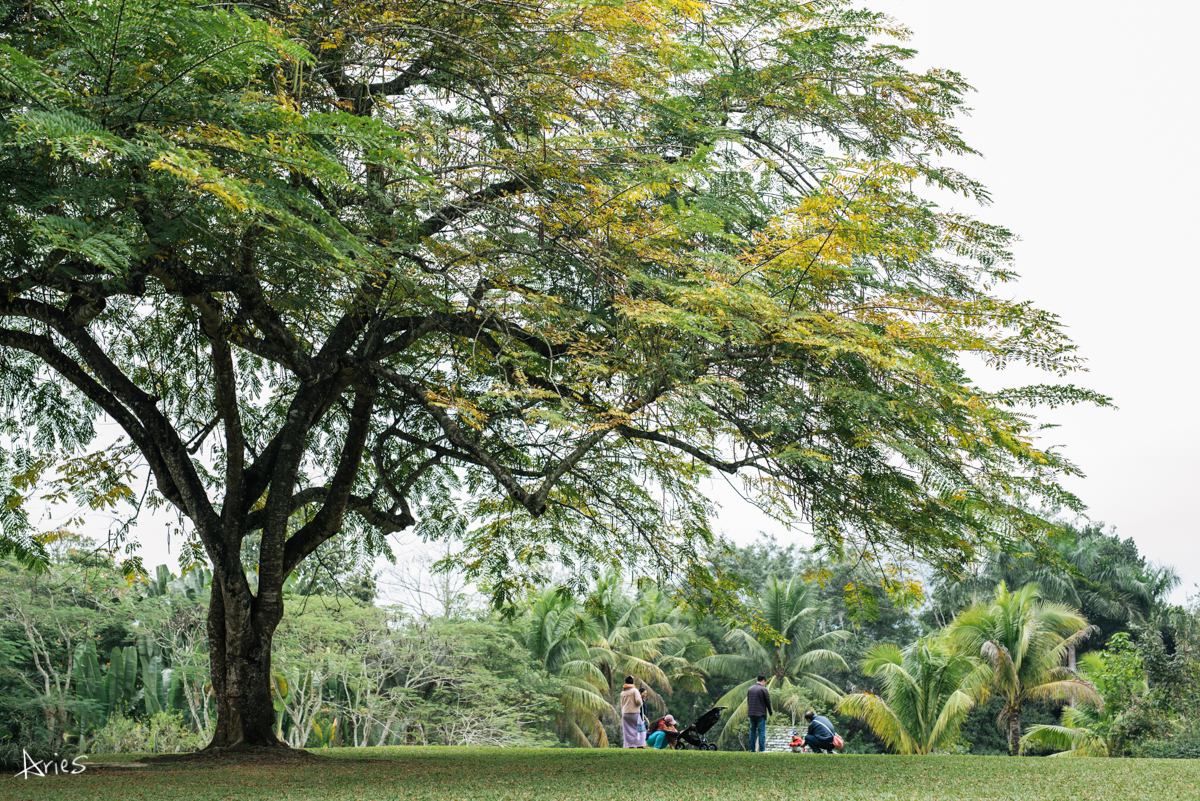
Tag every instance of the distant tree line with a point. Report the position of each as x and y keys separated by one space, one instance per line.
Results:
x=1079 y=654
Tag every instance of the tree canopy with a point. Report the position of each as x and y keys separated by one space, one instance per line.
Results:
x=524 y=272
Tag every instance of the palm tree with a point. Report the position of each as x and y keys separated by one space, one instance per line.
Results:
x=1087 y=729
x=627 y=641
x=1095 y=574
x=1024 y=640
x=681 y=652
x=791 y=650
x=928 y=689
x=1079 y=735
x=557 y=635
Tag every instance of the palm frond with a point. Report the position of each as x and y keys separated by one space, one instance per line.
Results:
x=882 y=720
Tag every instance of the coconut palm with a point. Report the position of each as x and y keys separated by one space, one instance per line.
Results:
x=628 y=640
x=1095 y=574
x=1088 y=729
x=681 y=652
x=558 y=632
x=1079 y=735
x=792 y=650
x=928 y=689
x=1024 y=640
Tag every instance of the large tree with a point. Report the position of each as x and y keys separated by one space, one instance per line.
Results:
x=1024 y=640
x=342 y=268
x=1099 y=574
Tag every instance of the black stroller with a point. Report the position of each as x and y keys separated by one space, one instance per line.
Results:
x=693 y=735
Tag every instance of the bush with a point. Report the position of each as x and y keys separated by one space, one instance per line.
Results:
x=1184 y=743
x=164 y=733
x=861 y=743
x=1178 y=748
x=12 y=753
x=983 y=732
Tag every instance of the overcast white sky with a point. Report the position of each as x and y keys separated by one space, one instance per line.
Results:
x=1086 y=116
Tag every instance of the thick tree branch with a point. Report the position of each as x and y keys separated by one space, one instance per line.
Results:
x=458 y=438
x=160 y=435
x=453 y=212
x=328 y=520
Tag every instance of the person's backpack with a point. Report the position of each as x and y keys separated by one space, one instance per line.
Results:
x=838 y=742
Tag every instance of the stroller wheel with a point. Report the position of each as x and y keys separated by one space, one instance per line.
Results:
x=710 y=747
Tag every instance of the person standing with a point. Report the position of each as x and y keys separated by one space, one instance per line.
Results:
x=820 y=733
x=758 y=709
x=631 y=713
x=643 y=721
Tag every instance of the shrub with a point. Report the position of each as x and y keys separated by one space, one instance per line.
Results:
x=12 y=753
x=861 y=743
x=163 y=733
x=1184 y=743
x=1177 y=748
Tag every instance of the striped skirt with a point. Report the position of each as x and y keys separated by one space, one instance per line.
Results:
x=629 y=733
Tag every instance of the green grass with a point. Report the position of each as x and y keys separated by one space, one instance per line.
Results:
x=439 y=774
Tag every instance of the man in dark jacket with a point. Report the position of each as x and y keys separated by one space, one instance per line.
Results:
x=758 y=709
x=820 y=733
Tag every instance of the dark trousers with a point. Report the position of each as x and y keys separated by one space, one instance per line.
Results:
x=758 y=730
x=818 y=744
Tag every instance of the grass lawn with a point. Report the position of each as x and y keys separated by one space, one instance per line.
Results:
x=438 y=774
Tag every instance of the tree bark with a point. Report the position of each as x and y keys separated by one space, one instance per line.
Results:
x=240 y=656
x=1014 y=732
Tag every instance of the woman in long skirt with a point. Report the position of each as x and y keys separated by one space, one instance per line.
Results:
x=631 y=713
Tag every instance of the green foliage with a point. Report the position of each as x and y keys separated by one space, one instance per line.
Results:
x=158 y=733
x=352 y=674
x=928 y=690
x=1100 y=726
x=521 y=273
x=985 y=731
x=564 y=261
x=789 y=644
x=13 y=754
x=1184 y=745
x=1024 y=641
x=1162 y=722
x=50 y=619
x=191 y=586
x=1118 y=673
x=162 y=689
x=1099 y=574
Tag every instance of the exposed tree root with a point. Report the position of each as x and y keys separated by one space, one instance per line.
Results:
x=237 y=753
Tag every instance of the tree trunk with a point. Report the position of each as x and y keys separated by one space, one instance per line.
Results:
x=240 y=655
x=1014 y=732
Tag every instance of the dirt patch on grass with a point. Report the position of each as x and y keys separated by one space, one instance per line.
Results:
x=264 y=757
